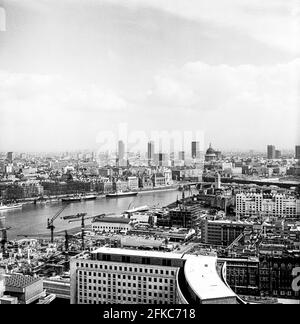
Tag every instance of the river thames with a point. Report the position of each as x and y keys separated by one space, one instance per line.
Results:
x=32 y=219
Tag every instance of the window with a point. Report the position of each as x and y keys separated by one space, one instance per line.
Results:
x=125 y=259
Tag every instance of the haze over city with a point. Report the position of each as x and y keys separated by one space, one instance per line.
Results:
x=228 y=68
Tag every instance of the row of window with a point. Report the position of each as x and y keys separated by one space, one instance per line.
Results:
x=90 y=277
x=125 y=269
x=124 y=297
x=119 y=301
x=129 y=285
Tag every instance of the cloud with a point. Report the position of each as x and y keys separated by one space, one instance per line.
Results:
x=252 y=100
x=48 y=112
x=204 y=86
x=274 y=22
x=44 y=93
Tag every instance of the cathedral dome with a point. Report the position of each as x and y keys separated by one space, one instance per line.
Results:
x=210 y=151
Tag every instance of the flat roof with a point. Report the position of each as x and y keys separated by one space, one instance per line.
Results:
x=129 y=252
x=202 y=277
x=228 y=221
x=112 y=220
x=20 y=281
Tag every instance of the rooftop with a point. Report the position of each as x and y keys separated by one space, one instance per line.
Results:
x=114 y=220
x=20 y=281
x=201 y=275
x=149 y=254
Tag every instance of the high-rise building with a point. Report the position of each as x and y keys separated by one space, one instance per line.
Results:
x=121 y=150
x=271 y=152
x=181 y=156
x=161 y=159
x=195 y=150
x=297 y=152
x=151 y=151
x=267 y=206
x=123 y=276
x=278 y=154
x=10 y=157
x=121 y=159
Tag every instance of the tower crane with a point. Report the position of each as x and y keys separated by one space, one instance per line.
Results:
x=50 y=221
x=4 y=238
x=4 y=230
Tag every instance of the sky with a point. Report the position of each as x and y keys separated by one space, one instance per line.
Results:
x=74 y=70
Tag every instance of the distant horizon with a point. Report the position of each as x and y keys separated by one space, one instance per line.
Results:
x=94 y=150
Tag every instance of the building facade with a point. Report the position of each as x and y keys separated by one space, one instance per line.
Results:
x=123 y=276
x=267 y=206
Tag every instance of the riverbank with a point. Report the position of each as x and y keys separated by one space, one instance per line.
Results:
x=60 y=234
x=32 y=218
x=55 y=199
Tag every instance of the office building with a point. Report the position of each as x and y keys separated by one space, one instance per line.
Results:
x=222 y=232
x=161 y=159
x=196 y=150
x=151 y=151
x=10 y=157
x=271 y=152
x=186 y=215
x=111 y=224
x=267 y=206
x=297 y=152
x=121 y=150
x=277 y=154
x=110 y=276
x=181 y=156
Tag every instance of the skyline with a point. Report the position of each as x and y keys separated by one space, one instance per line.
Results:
x=70 y=70
x=188 y=152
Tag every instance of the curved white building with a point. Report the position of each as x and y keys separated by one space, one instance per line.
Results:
x=123 y=276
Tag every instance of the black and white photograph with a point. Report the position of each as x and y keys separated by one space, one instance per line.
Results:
x=149 y=155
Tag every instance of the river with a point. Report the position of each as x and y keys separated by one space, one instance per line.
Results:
x=32 y=219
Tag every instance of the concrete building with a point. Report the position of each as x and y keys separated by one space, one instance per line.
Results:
x=297 y=152
x=161 y=159
x=57 y=286
x=133 y=183
x=196 y=154
x=10 y=157
x=109 y=276
x=111 y=224
x=271 y=152
x=222 y=232
x=277 y=154
x=185 y=215
x=267 y=206
x=151 y=151
x=181 y=156
x=26 y=289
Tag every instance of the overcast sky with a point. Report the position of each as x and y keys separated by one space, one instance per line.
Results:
x=70 y=69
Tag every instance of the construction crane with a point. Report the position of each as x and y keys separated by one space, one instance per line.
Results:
x=4 y=238
x=50 y=221
x=3 y=230
x=67 y=240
